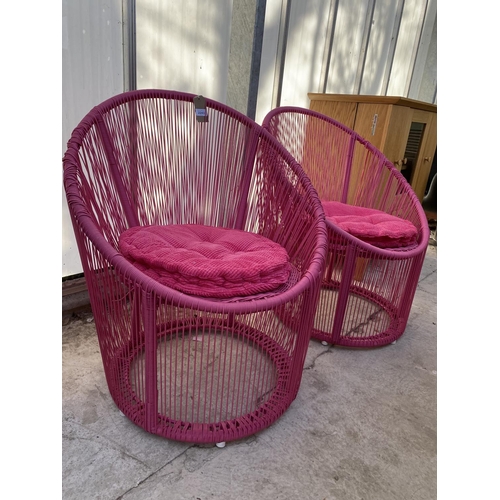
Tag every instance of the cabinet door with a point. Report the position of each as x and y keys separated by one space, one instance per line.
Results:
x=406 y=136
x=386 y=127
x=372 y=121
x=394 y=147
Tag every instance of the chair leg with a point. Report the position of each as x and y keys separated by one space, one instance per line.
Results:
x=149 y=314
x=343 y=294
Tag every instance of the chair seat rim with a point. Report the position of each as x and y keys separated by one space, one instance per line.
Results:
x=401 y=252
x=129 y=271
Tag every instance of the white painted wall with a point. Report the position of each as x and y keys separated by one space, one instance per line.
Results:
x=423 y=86
x=267 y=65
x=406 y=48
x=369 y=55
x=304 y=50
x=92 y=71
x=381 y=47
x=184 y=46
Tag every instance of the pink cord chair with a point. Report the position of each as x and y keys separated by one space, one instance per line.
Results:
x=377 y=229
x=203 y=244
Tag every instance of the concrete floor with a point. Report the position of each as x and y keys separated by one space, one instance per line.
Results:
x=363 y=427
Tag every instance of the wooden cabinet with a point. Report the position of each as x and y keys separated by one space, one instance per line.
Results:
x=404 y=130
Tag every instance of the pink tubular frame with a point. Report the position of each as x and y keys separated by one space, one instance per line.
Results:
x=184 y=367
x=367 y=292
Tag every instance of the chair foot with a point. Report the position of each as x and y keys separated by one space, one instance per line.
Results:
x=324 y=342
x=222 y=444
x=121 y=413
x=393 y=342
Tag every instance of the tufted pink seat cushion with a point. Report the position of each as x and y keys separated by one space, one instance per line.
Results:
x=207 y=261
x=372 y=226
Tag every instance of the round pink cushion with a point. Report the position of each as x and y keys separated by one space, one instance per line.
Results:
x=372 y=226
x=207 y=261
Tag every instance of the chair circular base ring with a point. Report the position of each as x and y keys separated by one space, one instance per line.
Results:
x=268 y=407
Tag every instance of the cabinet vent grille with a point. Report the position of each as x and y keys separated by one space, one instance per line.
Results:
x=412 y=148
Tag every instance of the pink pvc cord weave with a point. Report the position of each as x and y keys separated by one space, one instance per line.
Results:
x=180 y=365
x=368 y=287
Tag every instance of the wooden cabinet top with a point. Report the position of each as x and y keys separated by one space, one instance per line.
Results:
x=375 y=99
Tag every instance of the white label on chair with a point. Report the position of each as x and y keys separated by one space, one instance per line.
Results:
x=200 y=105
